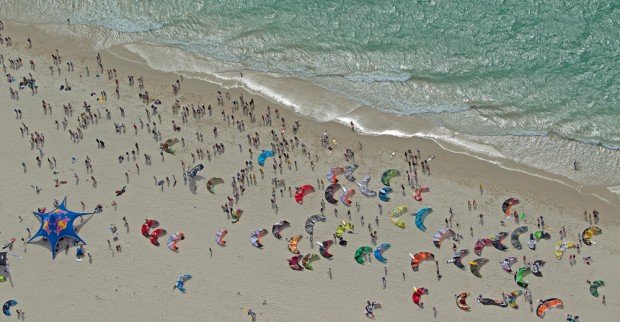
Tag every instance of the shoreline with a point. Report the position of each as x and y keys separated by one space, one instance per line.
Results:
x=234 y=278
x=360 y=114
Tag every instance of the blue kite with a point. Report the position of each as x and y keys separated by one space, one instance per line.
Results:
x=383 y=194
x=263 y=156
x=58 y=223
x=420 y=216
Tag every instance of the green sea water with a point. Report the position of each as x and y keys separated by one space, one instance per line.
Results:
x=534 y=79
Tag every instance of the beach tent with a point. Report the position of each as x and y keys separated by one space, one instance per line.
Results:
x=56 y=224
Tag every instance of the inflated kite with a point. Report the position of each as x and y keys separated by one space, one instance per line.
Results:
x=346 y=195
x=419 y=217
x=536 y=266
x=333 y=172
x=416 y=297
x=292 y=244
x=329 y=193
x=514 y=237
x=313 y=220
x=324 y=248
x=588 y=233
x=507 y=206
x=548 y=304
x=194 y=171
x=308 y=259
x=507 y=263
x=6 y=308
x=535 y=237
x=293 y=263
x=594 y=287
x=173 y=240
x=212 y=182
x=419 y=257
x=476 y=265
x=442 y=234
x=561 y=246
x=383 y=194
x=361 y=253
x=461 y=301
x=348 y=172
x=498 y=239
x=302 y=191
x=342 y=228
x=219 y=237
x=276 y=229
x=256 y=238
x=520 y=274
x=388 y=175
x=511 y=298
x=481 y=244
x=167 y=145
x=263 y=156
x=380 y=250
x=180 y=284
x=396 y=216
x=457 y=258
x=236 y=215
x=363 y=185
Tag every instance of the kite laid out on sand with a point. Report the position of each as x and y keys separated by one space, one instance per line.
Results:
x=442 y=234
x=388 y=175
x=276 y=229
x=256 y=238
x=457 y=258
x=310 y=222
x=324 y=248
x=301 y=192
x=396 y=216
x=167 y=145
x=212 y=182
x=330 y=191
x=507 y=206
x=419 y=217
x=360 y=254
x=307 y=260
x=363 y=186
x=383 y=194
x=588 y=233
x=174 y=239
x=416 y=297
x=6 y=308
x=292 y=244
x=476 y=265
x=546 y=305
x=461 y=301
x=219 y=237
x=594 y=287
x=380 y=250
x=194 y=171
x=180 y=284
x=514 y=237
x=293 y=263
x=419 y=257
x=263 y=156
x=56 y=224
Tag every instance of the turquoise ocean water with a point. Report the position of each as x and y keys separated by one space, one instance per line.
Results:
x=536 y=80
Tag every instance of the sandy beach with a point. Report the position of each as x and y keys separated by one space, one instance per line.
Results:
x=136 y=280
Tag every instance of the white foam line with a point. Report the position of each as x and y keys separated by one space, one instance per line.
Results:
x=271 y=95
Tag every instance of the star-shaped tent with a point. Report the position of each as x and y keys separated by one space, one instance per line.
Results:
x=56 y=224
